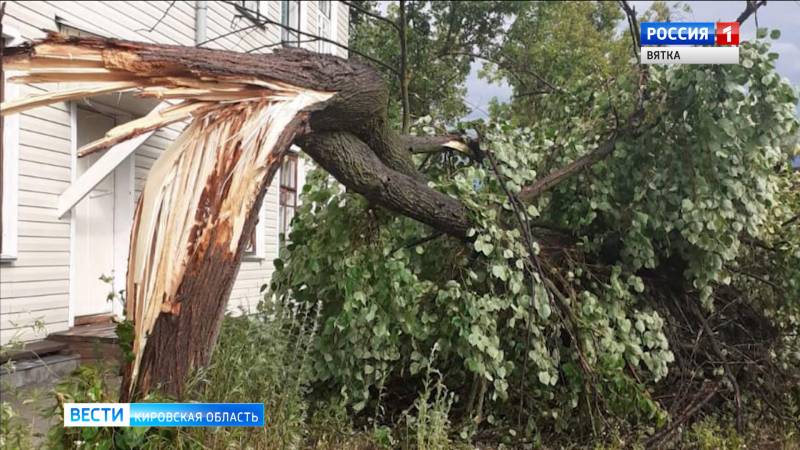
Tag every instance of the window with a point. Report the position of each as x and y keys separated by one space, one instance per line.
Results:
x=253 y=8
x=290 y=17
x=255 y=248
x=324 y=26
x=288 y=193
x=9 y=154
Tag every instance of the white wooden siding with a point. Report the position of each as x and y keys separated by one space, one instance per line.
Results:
x=34 y=289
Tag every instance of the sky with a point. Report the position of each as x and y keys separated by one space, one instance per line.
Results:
x=783 y=15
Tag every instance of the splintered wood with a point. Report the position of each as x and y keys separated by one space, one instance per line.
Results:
x=202 y=189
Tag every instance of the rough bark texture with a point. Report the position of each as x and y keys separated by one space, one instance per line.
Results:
x=357 y=167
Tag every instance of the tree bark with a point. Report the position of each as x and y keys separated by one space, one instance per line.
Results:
x=404 y=75
x=352 y=162
x=555 y=177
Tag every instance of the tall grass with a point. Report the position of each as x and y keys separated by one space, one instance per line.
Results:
x=263 y=358
x=428 y=422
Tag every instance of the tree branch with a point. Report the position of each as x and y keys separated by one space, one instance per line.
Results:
x=435 y=144
x=510 y=68
x=752 y=7
x=405 y=77
x=158 y=22
x=791 y=221
x=435 y=235
x=633 y=27
x=224 y=35
x=356 y=166
x=553 y=178
x=374 y=15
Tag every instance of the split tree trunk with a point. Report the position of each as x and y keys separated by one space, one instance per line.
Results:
x=202 y=198
x=183 y=340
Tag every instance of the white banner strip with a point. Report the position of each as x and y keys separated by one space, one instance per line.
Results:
x=690 y=55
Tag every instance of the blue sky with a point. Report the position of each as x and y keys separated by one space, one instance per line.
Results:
x=784 y=15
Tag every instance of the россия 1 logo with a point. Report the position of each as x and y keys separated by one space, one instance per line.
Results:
x=689 y=42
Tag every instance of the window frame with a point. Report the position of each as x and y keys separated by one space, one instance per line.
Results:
x=9 y=163
x=283 y=227
x=290 y=38
x=324 y=18
x=248 y=5
x=256 y=248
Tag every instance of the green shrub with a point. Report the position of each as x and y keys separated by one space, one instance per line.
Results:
x=14 y=430
x=571 y=310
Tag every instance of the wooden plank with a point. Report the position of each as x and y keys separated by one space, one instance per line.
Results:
x=26 y=334
x=43 y=170
x=96 y=332
x=94 y=319
x=39 y=214
x=45 y=185
x=35 y=303
x=12 y=274
x=43 y=229
x=33 y=121
x=42 y=244
x=33 y=288
x=44 y=156
x=30 y=102
x=41 y=141
x=31 y=259
x=32 y=319
x=34 y=350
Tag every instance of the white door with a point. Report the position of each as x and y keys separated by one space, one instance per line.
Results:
x=94 y=224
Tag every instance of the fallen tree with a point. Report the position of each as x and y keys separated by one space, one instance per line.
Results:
x=203 y=194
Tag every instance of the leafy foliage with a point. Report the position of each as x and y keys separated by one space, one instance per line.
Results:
x=557 y=311
x=440 y=37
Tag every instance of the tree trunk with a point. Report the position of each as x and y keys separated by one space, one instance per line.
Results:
x=183 y=338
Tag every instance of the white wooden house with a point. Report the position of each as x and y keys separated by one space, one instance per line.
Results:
x=66 y=220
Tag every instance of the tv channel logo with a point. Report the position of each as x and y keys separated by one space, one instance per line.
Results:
x=727 y=34
x=689 y=33
x=689 y=43
x=163 y=414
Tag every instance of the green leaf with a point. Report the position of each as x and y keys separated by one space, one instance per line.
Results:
x=544 y=377
x=499 y=271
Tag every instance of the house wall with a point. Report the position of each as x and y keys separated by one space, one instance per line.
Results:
x=35 y=287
